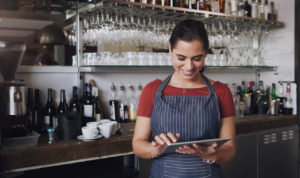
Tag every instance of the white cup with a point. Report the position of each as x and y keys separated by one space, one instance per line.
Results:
x=108 y=129
x=89 y=132
x=103 y=121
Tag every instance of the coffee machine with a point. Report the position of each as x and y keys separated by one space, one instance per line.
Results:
x=12 y=92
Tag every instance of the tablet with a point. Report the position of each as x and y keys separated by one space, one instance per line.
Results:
x=171 y=148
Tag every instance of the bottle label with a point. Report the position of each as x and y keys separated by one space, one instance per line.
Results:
x=47 y=120
x=88 y=110
x=112 y=111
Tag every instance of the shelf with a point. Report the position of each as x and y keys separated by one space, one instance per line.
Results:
x=178 y=14
x=151 y=69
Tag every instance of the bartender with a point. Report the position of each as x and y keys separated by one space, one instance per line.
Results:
x=43 y=59
x=185 y=106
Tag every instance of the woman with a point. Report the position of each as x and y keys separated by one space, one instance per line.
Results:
x=185 y=106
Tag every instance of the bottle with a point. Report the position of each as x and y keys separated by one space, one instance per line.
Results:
x=49 y=113
x=281 y=97
x=215 y=6
x=247 y=9
x=234 y=7
x=270 y=11
x=251 y=92
x=124 y=109
x=114 y=104
x=207 y=5
x=261 y=9
x=132 y=104
x=201 y=5
x=274 y=12
x=288 y=104
x=273 y=93
x=236 y=100
x=243 y=90
x=74 y=104
x=267 y=8
x=227 y=7
x=88 y=106
x=63 y=106
x=139 y=91
x=254 y=9
x=38 y=111
x=241 y=8
x=222 y=6
x=30 y=109
x=98 y=111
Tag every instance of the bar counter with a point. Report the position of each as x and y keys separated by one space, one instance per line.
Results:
x=67 y=152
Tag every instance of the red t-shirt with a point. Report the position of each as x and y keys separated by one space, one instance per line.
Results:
x=147 y=97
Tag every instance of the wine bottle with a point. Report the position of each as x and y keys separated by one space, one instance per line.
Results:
x=114 y=104
x=49 y=113
x=88 y=106
x=281 y=98
x=38 y=111
x=74 y=104
x=30 y=109
x=124 y=109
x=98 y=111
x=288 y=104
x=63 y=106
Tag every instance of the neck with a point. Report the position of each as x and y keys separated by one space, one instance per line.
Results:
x=177 y=81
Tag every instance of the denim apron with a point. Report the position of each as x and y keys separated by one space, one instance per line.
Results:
x=194 y=118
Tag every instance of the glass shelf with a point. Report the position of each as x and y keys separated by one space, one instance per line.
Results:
x=134 y=69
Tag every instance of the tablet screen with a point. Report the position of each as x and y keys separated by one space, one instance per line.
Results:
x=171 y=148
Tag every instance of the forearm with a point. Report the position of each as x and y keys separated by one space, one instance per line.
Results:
x=143 y=149
x=225 y=154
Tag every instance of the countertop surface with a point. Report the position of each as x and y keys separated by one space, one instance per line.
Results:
x=66 y=152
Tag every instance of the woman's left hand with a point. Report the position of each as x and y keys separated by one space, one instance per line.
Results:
x=206 y=152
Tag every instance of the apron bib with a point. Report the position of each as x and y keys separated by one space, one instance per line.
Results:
x=194 y=118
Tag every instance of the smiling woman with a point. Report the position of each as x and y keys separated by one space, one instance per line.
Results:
x=186 y=106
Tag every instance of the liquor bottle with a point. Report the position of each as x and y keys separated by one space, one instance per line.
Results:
x=215 y=6
x=247 y=9
x=251 y=92
x=191 y=4
x=178 y=3
x=98 y=111
x=49 y=113
x=270 y=11
x=273 y=93
x=124 y=109
x=74 y=102
x=201 y=5
x=227 y=7
x=236 y=100
x=243 y=90
x=274 y=12
x=38 y=111
x=288 y=104
x=30 y=109
x=114 y=104
x=261 y=9
x=254 y=9
x=241 y=8
x=158 y=2
x=281 y=98
x=267 y=8
x=132 y=104
x=207 y=5
x=234 y=7
x=222 y=6
x=88 y=106
x=63 y=106
x=144 y=1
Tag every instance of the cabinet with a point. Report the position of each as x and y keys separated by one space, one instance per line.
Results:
x=271 y=153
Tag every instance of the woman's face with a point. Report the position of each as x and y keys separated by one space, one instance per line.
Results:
x=188 y=59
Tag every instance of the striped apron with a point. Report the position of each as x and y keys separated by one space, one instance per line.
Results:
x=194 y=118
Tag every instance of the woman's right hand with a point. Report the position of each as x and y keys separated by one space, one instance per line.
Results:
x=161 y=141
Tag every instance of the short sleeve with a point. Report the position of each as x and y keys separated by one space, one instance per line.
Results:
x=226 y=102
x=146 y=101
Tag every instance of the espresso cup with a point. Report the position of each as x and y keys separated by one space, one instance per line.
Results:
x=108 y=129
x=89 y=132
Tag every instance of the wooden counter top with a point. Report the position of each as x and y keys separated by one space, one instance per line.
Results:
x=66 y=152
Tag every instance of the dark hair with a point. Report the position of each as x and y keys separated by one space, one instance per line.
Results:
x=189 y=30
x=45 y=59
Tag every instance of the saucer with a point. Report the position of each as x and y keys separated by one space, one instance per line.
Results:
x=81 y=137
